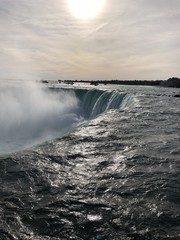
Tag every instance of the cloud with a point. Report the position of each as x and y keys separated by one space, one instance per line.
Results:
x=49 y=42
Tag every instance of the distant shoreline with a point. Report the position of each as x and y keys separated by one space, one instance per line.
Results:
x=171 y=82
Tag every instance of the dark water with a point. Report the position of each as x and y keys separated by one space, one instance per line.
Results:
x=115 y=176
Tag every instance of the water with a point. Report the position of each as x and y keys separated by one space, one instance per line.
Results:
x=113 y=175
x=31 y=114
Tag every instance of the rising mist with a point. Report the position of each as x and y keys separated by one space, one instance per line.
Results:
x=31 y=114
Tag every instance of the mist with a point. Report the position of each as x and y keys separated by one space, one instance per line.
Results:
x=31 y=114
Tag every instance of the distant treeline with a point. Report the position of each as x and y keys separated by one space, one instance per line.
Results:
x=171 y=82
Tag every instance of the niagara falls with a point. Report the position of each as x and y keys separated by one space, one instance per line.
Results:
x=89 y=120
x=85 y=162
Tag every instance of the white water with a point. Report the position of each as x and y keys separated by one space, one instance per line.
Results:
x=116 y=176
x=30 y=114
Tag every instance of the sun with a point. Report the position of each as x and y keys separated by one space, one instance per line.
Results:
x=86 y=9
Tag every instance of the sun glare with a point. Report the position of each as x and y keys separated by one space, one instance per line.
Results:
x=86 y=9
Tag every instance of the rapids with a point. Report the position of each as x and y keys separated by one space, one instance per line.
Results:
x=31 y=114
x=114 y=176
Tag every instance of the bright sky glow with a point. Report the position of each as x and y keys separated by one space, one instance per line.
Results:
x=89 y=39
x=86 y=9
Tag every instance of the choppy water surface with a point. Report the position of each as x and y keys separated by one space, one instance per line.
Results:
x=115 y=176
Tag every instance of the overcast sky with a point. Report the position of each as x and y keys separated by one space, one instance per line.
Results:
x=42 y=39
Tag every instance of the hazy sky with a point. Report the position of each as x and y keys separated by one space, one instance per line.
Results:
x=128 y=40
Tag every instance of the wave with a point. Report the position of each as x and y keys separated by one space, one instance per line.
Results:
x=31 y=114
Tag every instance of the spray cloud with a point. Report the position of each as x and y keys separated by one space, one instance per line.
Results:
x=31 y=114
